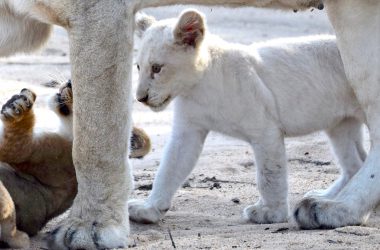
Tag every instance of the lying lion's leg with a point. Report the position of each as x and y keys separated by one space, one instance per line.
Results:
x=8 y=231
x=100 y=35
x=347 y=143
x=357 y=25
x=18 y=120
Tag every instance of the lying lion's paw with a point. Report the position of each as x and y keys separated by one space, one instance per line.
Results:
x=262 y=214
x=316 y=212
x=19 y=105
x=63 y=100
x=78 y=234
x=19 y=240
x=142 y=212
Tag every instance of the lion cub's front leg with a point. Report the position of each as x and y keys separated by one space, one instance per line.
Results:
x=18 y=120
x=181 y=155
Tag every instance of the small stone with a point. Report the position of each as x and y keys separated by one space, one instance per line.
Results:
x=235 y=200
x=186 y=184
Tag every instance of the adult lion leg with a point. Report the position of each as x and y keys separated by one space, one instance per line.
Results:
x=357 y=25
x=100 y=34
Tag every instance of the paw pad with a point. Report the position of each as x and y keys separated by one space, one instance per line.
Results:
x=64 y=99
x=18 y=105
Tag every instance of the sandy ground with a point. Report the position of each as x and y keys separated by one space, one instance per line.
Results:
x=206 y=214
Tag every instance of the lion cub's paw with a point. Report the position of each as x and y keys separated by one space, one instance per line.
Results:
x=142 y=212
x=18 y=106
x=63 y=101
x=262 y=214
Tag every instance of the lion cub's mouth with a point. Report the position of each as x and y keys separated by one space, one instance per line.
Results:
x=162 y=105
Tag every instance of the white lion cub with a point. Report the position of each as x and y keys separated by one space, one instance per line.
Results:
x=259 y=93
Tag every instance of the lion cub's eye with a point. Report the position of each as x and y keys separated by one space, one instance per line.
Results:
x=138 y=67
x=156 y=68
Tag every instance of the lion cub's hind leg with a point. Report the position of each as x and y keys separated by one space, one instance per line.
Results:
x=347 y=144
x=8 y=231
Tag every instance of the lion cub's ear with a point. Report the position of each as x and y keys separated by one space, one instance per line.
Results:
x=142 y=23
x=190 y=28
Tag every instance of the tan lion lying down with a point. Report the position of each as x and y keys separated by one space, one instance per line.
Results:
x=36 y=168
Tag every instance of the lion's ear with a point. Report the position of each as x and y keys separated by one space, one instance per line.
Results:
x=142 y=23
x=190 y=28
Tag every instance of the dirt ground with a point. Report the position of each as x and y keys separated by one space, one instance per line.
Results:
x=206 y=212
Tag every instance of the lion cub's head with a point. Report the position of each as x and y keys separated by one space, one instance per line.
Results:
x=171 y=58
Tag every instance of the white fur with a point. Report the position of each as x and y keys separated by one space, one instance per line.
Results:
x=260 y=94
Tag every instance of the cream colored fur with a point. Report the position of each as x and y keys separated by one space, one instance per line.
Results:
x=100 y=35
x=259 y=93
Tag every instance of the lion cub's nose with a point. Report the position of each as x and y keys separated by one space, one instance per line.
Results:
x=143 y=99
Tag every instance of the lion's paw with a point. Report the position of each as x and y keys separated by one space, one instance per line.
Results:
x=78 y=234
x=262 y=214
x=314 y=213
x=63 y=100
x=142 y=212
x=17 y=106
x=19 y=240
